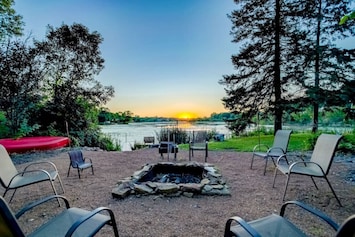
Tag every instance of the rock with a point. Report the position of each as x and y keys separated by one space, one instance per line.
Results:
x=205 y=181
x=120 y=192
x=188 y=194
x=191 y=187
x=167 y=188
x=143 y=189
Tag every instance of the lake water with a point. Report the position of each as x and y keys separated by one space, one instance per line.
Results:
x=129 y=134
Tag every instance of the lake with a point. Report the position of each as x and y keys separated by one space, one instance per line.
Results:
x=129 y=134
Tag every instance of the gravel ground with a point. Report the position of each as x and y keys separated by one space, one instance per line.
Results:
x=252 y=195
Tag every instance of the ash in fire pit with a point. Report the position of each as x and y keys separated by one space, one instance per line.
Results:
x=176 y=178
x=171 y=173
x=173 y=179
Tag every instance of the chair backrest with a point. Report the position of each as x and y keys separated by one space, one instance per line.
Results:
x=7 y=167
x=9 y=226
x=199 y=136
x=324 y=150
x=347 y=228
x=282 y=138
x=76 y=157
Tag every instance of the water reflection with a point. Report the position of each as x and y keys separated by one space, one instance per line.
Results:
x=135 y=132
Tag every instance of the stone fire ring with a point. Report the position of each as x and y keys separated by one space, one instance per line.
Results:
x=212 y=183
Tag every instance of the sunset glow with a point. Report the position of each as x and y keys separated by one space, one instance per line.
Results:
x=186 y=116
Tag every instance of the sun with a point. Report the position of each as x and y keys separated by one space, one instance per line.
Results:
x=186 y=116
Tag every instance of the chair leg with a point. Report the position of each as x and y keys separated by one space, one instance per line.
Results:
x=206 y=153
x=252 y=160
x=13 y=194
x=68 y=170
x=79 y=173
x=61 y=183
x=92 y=169
x=288 y=179
x=314 y=183
x=55 y=191
x=275 y=173
x=331 y=188
x=273 y=161
x=266 y=160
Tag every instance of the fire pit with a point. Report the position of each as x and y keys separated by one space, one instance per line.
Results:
x=173 y=179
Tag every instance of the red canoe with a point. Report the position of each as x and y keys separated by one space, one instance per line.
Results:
x=25 y=144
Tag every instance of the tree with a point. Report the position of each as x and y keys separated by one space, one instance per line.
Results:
x=286 y=59
x=328 y=69
x=10 y=22
x=19 y=83
x=71 y=59
x=258 y=28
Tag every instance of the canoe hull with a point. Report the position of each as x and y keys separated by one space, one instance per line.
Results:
x=26 y=144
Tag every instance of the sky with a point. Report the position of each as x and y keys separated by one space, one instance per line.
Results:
x=163 y=57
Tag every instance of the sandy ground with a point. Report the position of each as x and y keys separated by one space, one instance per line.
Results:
x=252 y=195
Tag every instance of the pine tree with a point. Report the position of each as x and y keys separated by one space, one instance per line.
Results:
x=258 y=29
x=328 y=68
x=287 y=59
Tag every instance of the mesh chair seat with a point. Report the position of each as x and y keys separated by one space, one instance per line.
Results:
x=40 y=176
x=62 y=223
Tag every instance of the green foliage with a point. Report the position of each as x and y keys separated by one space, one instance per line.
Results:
x=11 y=23
x=120 y=117
x=302 y=117
x=19 y=83
x=106 y=143
x=137 y=146
x=347 y=17
x=25 y=129
x=226 y=116
x=295 y=40
x=4 y=129
x=261 y=130
x=347 y=145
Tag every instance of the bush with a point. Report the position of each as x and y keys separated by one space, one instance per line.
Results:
x=180 y=136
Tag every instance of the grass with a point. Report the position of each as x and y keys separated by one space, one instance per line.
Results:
x=298 y=142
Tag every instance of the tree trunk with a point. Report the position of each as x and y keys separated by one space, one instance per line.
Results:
x=316 y=72
x=277 y=81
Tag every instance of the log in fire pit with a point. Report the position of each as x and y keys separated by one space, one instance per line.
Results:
x=173 y=179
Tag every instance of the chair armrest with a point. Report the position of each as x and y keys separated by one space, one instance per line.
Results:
x=34 y=204
x=282 y=157
x=276 y=149
x=87 y=217
x=243 y=224
x=85 y=158
x=305 y=164
x=41 y=162
x=258 y=146
x=313 y=211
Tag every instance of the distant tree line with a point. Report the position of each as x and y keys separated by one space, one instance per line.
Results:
x=336 y=116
